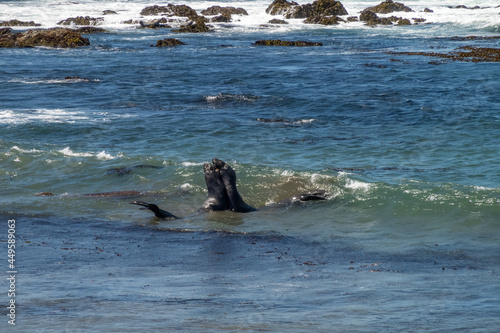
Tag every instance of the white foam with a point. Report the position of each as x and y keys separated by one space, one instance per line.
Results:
x=16 y=148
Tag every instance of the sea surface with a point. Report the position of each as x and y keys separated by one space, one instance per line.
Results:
x=406 y=147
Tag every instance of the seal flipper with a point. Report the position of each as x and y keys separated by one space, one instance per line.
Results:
x=163 y=214
x=229 y=178
x=217 y=195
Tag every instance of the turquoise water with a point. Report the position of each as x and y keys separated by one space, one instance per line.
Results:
x=406 y=149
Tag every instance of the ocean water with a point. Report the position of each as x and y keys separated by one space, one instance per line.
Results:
x=405 y=146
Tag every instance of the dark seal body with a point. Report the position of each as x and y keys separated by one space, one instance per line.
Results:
x=217 y=196
x=229 y=178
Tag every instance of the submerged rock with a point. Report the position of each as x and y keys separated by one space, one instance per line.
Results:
x=276 y=21
x=55 y=37
x=109 y=12
x=225 y=18
x=389 y=6
x=81 y=20
x=277 y=42
x=169 y=42
x=218 y=10
x=172 y=10
x=17 y=23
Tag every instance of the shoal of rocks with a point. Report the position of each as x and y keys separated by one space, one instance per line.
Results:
x=55 y=37
x=169 y=10
x=169 y=42
x=82 y=20
x=218 y=10
x=17 y=23
x=277 y=42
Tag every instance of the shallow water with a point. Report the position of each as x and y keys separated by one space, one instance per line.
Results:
x=405 y=146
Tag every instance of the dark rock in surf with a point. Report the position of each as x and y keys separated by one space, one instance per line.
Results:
x=195 y=26
x=90 y=30
x=277 y=42
x=317 y=8
x=169 y=42
x=155 y=24
x=55 y=37
x=277 y=21
x=17 y=23
x=225 y=18
x=109 y=12
x=323 y=20
x=370 y=18
x=81 y=20
x=389 y=6
x=171 y=10
x=217 y=10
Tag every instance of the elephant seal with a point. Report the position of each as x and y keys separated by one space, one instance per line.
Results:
x=229 y=178
x=217 y=195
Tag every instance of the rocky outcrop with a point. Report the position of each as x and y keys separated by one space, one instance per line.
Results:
x=90 y=30
x=81 y=20
x=389 y=6
x=17 y=23
x=55 y=37
x=319 y=12
x=169 y=42
x=109 y=12
x=277 y=42
x=170 y=10
x=276 y=21
x=155 y=24
x=372 y=19
x=194 y=26
x=217 y=10
x=225 y=18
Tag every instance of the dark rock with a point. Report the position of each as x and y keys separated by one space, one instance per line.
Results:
x=5 y=31
x=402 y=21
x=419 y=20
x=109 y=12
x=370 y=18
x=277 y=42
x=155 y=24
x=81 y=20
x=319 y=12
x=172 y=10
x=276 y=21
x=352 y=19
x=90 y=30
x=427 y=10
x=217 y=10
x=221 y=18
x=194 y=26
x=17 y=23
x=55 y=37
x=324 y=20
x=389 y=6
x=169 y=42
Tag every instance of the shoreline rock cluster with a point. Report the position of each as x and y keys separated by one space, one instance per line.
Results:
x=184 y=19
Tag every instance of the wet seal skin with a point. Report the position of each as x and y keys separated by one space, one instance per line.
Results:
x=229 y=178
x=217 y=195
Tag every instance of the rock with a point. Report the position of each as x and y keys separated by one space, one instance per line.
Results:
x=155 y=24
x=276 y=21
x=278 y=42
x=109 y=12
x=17 y=23
x=389 y=6
x=319 y=12
x=81 y=20
x=221 y=18
x=90 y=30
x=5 y=31
x=427 y=10
x=55 y=37
x=194 y=26
x=217 y=10
x=402 y=21
x=352 y=19
x=172 y=10
x=169 y=42
x=370 y=18
x=324 y=20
